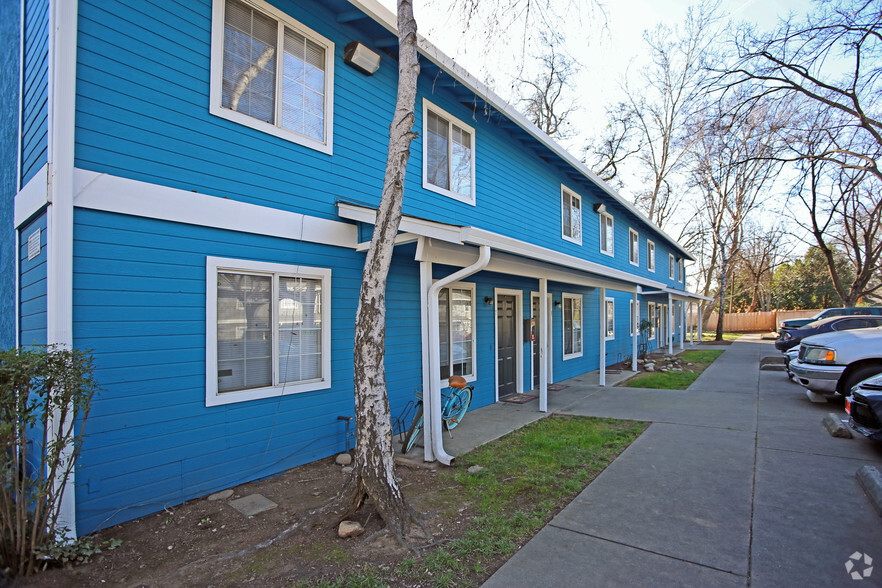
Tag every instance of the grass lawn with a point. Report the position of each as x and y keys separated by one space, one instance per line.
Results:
x=528 y=476
x=676 y=380
x=711 y=335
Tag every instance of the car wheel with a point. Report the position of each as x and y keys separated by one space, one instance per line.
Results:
x=858 y=375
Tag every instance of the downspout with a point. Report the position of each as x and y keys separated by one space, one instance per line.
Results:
x=435 y=345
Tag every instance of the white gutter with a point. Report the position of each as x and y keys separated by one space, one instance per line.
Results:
x=434 y=413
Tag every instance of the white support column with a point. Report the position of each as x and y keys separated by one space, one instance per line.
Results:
x=691 y=326
x=542 y=330
x=428 y=347
x=682 y=325
x=700 y=325
x=62 y=50
x=602 y=376
x=635 y=319
x=670 y=321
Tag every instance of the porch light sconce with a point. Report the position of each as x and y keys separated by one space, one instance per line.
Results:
x=488 y=300
x=599 y=207
x=357 y=55
x=557 y=303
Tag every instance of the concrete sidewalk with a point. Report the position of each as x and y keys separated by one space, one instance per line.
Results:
x=736 y=483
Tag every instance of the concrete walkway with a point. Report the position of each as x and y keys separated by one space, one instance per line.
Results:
x=736 y=483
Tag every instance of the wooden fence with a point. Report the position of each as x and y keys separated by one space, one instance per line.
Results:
x=745 y=322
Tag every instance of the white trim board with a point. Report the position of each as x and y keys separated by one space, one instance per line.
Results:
x=133 y=197
x=32 y=197
x=474 y=236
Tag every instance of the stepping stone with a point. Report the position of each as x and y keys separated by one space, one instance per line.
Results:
x=222 y=495
x=253 y=504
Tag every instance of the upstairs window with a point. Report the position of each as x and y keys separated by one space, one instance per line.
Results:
x=607 y=233
x=448 y=155
x=633 y=247
x=456 y=322
x=571 y=215
x=572 y=326
x=650 y=255
x=271 y=73
x=681 y=270
x=671 y=266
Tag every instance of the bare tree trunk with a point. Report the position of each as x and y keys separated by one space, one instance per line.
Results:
x=724 y=261
x=374 y=471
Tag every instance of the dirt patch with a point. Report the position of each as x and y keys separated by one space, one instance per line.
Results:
x=166 y=548
x=159 y=549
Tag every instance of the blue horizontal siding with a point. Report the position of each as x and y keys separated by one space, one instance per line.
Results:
x=32 y=285
x=142 y=113
x=35 y=89
x=146 y=328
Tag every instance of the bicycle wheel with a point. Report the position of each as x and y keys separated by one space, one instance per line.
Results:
x=456 y=407
x=416 y=428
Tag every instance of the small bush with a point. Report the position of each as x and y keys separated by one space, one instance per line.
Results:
x=44 y=400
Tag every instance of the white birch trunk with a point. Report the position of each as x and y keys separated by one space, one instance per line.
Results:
x=374 y=466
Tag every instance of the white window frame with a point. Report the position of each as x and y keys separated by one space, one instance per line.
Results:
x=650 y=255
x=564 y=192
x=681 y=268
x=217 y=73
x=633 y=246
x=612 y=228
x=652 y=313
x=451 y=120
x=462 y=286
x=213 y=265
x=671 y=266
x=610 y=333
x=567 y=296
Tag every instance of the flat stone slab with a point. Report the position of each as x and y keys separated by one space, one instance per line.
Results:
x=819 y=398
x=253 y=504
x=222 y=495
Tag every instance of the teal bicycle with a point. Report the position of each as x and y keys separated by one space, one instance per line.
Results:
x=455 y=400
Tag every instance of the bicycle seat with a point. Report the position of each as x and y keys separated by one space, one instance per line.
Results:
x=457 y=382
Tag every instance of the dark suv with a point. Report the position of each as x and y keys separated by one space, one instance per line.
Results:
x=790 y=337
x=830 y=312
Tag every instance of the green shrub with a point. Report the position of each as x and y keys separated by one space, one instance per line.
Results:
x=44 y=400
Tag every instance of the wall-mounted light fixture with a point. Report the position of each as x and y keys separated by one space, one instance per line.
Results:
x=599 y=207
x=357 y=55
x=557 y=303
x=488 y=300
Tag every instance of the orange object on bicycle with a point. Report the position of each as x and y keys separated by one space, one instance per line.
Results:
x=457 y=382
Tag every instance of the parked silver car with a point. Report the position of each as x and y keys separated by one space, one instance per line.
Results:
x=836 y=362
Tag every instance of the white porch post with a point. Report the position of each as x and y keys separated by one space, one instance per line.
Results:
x=670 y=321
x=682 y=325
x=635 y=319
x=428 y=349
x=542 y=330
x=691 y=326
x=602 y=377
x=700 y=325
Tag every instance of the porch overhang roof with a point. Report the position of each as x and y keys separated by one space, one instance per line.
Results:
x=547 y=262
x=681 y=294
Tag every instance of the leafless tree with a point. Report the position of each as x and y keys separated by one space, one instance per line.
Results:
x=762 y=251
x=663 y=102
x=830 y=62
x=733 y=164
x=549 y=101
x=619 y=141
x=844 y=208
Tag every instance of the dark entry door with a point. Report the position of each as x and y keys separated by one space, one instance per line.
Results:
x=506 y=344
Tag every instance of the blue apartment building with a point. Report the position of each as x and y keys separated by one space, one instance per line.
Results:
x=188 y=190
